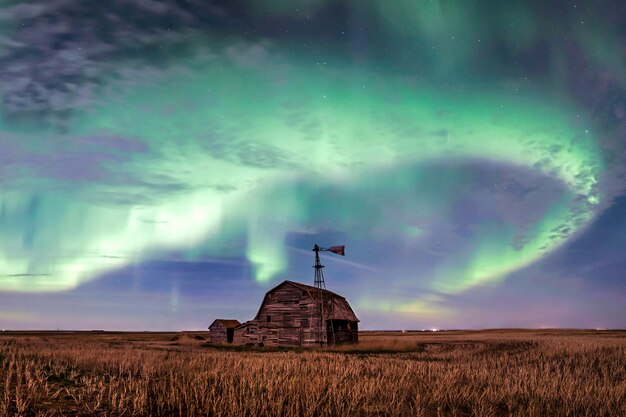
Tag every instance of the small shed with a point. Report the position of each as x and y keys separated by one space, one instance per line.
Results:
x=294 y=314
x=223 y=330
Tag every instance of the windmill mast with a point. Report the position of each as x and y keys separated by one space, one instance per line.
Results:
x=319 y=274
x=321 y=285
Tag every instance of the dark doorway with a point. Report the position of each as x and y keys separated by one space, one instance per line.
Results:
x=229 y=335
x=331 y=332
x=340 y=332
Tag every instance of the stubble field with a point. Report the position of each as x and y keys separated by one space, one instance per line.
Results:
x=481 y=373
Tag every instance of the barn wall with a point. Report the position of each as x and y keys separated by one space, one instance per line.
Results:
x=247 y=334
x=294 y=320
x=218 y=333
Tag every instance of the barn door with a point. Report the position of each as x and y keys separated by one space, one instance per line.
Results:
x=330 y=332
x=229 y=335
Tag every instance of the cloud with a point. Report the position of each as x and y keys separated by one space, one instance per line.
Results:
x=73 y=159
x=229 y=147
x=248 y=55
x=56 y=56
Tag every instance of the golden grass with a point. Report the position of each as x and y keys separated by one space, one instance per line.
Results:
x=493 y=373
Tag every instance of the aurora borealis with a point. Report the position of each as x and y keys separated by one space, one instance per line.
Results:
x=166 y=162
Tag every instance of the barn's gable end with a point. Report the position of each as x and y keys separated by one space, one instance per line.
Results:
x=332 y=302
x=289 y=315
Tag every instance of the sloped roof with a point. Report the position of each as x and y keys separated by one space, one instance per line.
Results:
x=305 y=287
x=335 y=306
x=228 y=323
x=244 y=324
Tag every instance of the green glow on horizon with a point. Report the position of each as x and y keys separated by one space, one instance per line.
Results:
x=230 y=128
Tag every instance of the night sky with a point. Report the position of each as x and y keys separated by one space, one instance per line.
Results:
x=165 y=163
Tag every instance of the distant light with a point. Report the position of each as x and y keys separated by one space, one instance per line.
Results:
x=434 y=330
x=600 y=329
x=403 y=331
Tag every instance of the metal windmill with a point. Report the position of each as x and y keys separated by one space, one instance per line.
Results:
x=320 y=284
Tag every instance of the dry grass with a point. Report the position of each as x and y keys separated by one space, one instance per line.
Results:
x=494 y=373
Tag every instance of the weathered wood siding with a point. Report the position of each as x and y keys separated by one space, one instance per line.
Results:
x=294 y=318
x=247 y=334
x=290 y=316
x=217 y=333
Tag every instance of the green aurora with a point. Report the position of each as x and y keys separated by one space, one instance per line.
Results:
x=236 y=139
x=240 y=127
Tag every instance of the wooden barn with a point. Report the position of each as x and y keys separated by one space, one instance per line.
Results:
x=223 y=330
x=294 y=314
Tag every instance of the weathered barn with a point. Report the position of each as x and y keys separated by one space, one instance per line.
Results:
x=294 y=314
x=223 y=330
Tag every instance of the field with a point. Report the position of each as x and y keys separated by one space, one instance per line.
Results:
x=464 y=373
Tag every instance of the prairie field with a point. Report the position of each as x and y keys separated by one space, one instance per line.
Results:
x=455 y=373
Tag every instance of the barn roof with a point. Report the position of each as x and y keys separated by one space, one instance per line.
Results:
x=335 y=306
x=311 y=289
x=228 y=323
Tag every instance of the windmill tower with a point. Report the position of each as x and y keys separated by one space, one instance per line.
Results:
x=320 y=284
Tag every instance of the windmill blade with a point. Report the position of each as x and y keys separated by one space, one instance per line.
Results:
x=339 y=250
